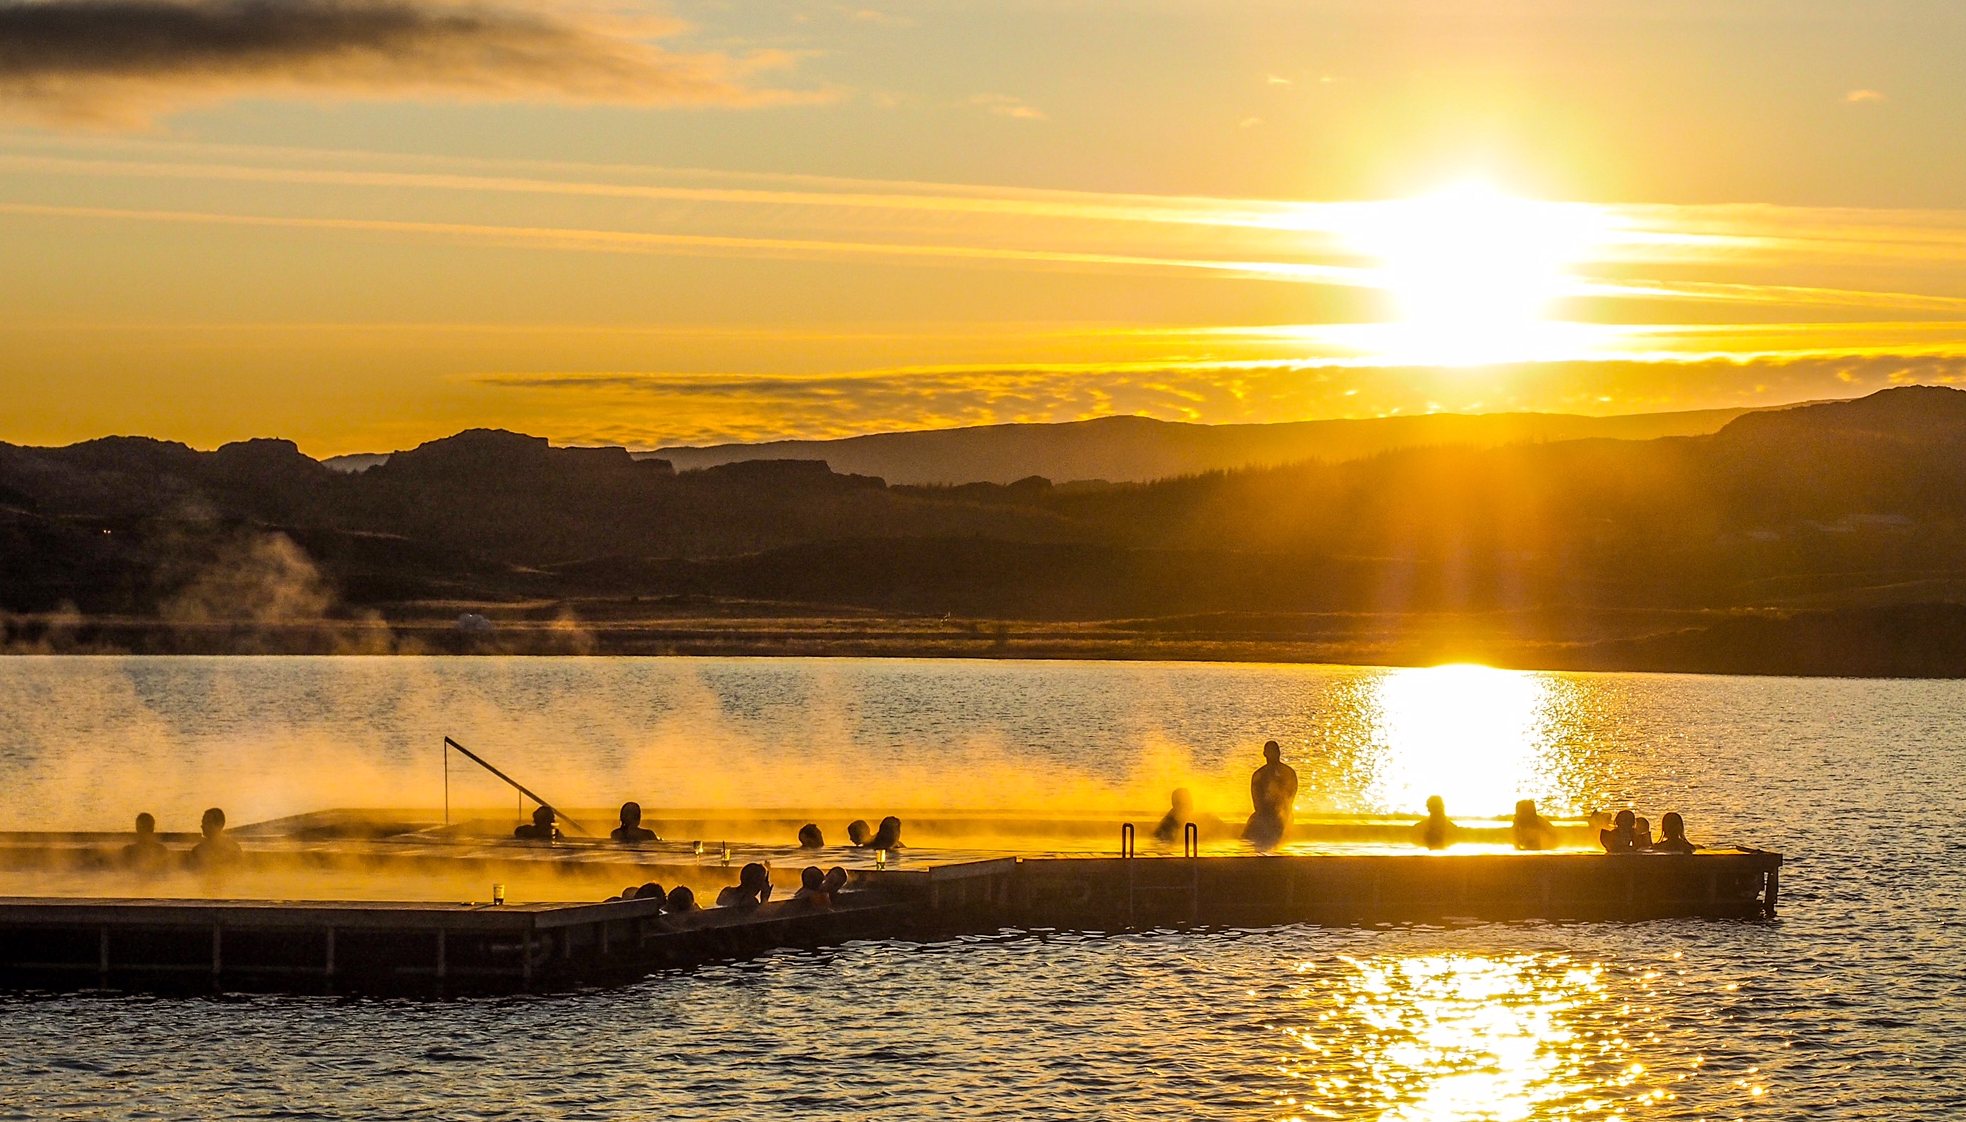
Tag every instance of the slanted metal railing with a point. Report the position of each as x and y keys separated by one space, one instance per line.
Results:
x=475 y=758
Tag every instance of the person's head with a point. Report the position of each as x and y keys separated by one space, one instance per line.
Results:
x=649 y=891
x=810 y=837
x=1626 y=820
x=1672 y=825
x=146 y=825
x=1643 y=825
x=1525 y=809
x=631 y=815
x=1272 y=751
x=857 y=831
x=813 y=877
x=889 y=833
x=835 y=879
x=542 y=817
x=1183 y=800
x=681 y=899
x=1436 y=806
x=213 y=823
x=753 y=878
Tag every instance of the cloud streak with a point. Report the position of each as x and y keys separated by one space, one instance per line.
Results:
x=124 y=62
x=632 y=241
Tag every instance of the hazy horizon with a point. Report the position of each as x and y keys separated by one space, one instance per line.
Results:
x=765 y=440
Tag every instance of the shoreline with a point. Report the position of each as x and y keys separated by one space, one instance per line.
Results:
x=1733 y=644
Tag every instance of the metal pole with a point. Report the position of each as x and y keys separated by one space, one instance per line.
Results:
x=517 y=786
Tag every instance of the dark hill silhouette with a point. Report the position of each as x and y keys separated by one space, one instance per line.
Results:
x=1581 y=547
x=1137 y=449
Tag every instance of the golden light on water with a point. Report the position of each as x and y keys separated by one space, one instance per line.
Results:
x=1474 y=735
x=1415 y=1038
x=1475 y=275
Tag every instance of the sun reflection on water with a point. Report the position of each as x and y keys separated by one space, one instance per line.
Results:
x=1480 y=737
x=1463 y=1036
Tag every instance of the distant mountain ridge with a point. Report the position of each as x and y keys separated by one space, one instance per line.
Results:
x=1854 y=511
x=1130 y=449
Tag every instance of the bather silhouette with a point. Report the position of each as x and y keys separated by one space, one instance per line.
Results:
x=1622 y=837
x=542 y=828
x=887 y=837
x=146 y=854
x=857 y=832
x=216 y=849
x=835 y=882
x=812 y=887
x=1180 y=812
x=681 y=900
x=1436 y=830
x=753 y=887
x=1273 y=796
x=810 y=837
x=631 y=829
x=1531 y=830
x=1672 y=830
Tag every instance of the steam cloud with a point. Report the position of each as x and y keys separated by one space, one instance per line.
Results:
x=123 y=62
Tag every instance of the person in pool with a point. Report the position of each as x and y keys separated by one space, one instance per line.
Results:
x=681 y=901
x=146 y=854
x=753 y=887
x=215 y=849
x=631 y=830
x=1622 y=837
x=1672 y=835
x=810 y=837
x=1642 y=833
x=812 y=887
x=541 y=829
x=857 y=832
x=835 y=882
x=887 y=837
x=1180 y=812
x=1272 y=797
x=1436 y=830
x=1531 y=830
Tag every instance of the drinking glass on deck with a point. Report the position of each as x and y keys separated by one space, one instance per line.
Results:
x=498 y=893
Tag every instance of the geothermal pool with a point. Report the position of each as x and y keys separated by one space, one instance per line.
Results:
x=1846 y=1004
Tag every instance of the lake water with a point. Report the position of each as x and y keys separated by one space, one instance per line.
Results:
x=1849 y=1006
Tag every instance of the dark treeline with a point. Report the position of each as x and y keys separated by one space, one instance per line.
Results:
x=1852 y=511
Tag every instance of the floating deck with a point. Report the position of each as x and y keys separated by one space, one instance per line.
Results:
x=391 y=946
x=90 y=938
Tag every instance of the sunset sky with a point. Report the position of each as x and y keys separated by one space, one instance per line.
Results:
x=366 y=223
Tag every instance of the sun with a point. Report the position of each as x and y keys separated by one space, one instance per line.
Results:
x=1474 y=275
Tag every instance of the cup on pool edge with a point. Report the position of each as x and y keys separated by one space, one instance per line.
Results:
x=498 y=894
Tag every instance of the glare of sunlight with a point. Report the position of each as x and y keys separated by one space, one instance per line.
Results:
x=1475 y=274
x=1468 y=1036
x=1471 y=734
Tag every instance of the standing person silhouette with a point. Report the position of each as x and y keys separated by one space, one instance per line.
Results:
x=1272 y=796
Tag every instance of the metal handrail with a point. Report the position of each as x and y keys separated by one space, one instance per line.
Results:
x=1126 y=839
x=515 y=784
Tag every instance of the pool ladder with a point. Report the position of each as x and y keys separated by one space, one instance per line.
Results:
x=1190 y=852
